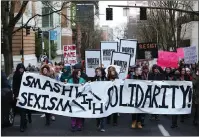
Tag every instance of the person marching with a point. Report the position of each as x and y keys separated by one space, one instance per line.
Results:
x=66 y=73
x=137 y=118
x=175 y=117
x=155 y=75
x=111 y=76
x=17 y=78
x=196 y=95
x=45 y=71
x=100 y=76
x=76 y=123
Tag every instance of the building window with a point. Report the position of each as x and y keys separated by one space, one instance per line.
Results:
x=47 y=20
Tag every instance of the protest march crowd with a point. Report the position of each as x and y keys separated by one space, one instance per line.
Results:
x=76 y=74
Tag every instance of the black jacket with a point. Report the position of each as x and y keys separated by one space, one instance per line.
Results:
x=153 y=76
x=17 y=80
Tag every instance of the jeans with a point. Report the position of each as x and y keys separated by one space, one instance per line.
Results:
x=196 y=112
x=175 y=120
x=76 y=122
x=137 y=117
x=115 y=116
x=23 y=120
x=47 y=118
x=100 y=123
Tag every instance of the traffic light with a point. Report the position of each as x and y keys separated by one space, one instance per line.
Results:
x=28 y=30
x=109 y=13
x=40 y=33
x=143 y=15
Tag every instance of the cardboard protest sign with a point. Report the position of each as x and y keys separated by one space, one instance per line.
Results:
x=122 y=60
x=147 y=51
x=190 y=55
x=106 y=52
x=129 y=47
x=102 y=98
x=93 y=60
x=167 y=59
x=180 y=53
x=70 y=56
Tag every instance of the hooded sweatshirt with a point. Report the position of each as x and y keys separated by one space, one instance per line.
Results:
x=17 y=79
x=65 y=75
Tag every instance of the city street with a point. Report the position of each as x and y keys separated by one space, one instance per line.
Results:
x=61 y=127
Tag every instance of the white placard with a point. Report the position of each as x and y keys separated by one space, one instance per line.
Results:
x=106 y=52
x=103 y=98
x=130 y=47
x=122 y=60
x=70 y=56
x=93 y=60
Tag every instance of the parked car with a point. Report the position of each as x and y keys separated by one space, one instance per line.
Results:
x=7 y=99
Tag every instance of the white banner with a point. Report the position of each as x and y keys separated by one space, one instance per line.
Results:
x=106 y=52
x=122 y=60
x=70 y=56
x=130 y=47
x=100 y=99
x=92 y=59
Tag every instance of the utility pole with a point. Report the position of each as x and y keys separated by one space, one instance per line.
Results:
x=49 y=44
x=22 y=50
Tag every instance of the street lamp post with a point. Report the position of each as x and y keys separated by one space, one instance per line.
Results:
x=22 y=50
x=49 y=50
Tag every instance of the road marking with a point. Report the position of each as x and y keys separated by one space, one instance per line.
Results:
x=163 y=130
x=42 y=115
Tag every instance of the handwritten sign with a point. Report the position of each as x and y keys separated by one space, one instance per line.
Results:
x=147 y=51
x=180 y=52
x=70 y=56
x=167 y=59
x=190 y=55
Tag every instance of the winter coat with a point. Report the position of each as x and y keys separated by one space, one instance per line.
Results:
x=65 y=75
x=196 y=89
x=81 y=81
x=17 y=78
x=153 y=76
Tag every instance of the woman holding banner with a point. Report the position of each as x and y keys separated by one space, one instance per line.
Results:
x=137 y=118
x=17 y=78
x=45 y=71
x=112 y=74
x=175 y=117
x=76 y=123
x=100 y=76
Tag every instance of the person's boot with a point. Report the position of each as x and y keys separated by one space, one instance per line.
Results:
x=134 y=124
x=157 y=118
x=47 y=122
x=22 y=129
x=139 y=125
x=173 y=126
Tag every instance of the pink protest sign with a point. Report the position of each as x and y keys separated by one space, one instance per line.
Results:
x=180 y=52
x=167 y=59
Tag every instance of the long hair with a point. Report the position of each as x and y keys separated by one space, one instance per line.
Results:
x=110 y=76
x=74 y=76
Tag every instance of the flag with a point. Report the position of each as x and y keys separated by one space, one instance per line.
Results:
x=53 y=35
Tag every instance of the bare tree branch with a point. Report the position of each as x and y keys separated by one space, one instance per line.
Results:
x=40 y=15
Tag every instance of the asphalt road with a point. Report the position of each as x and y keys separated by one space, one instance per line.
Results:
x=61 y=127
